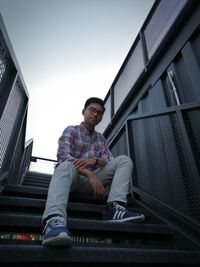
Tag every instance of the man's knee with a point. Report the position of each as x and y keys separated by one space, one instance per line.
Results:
x=66 y=166
x=125 y=159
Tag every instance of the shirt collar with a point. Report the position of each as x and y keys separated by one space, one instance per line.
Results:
x=86 y=131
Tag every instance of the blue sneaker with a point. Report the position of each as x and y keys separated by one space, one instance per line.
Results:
x=117 y=213
x=56 y=233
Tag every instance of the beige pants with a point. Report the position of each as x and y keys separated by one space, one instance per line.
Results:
x=117 y=173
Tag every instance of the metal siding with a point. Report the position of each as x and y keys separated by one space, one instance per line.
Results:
x=131 y=72
x=119 y=144
x=106 y=117
x=160 y=23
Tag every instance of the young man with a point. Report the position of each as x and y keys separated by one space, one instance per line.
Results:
x=85 y=164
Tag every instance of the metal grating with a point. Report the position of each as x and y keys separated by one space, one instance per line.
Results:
x=192 y=121
x=3 y=62
x=8 y=119
x=119 y=146
x=7 y=68
x=162 y=165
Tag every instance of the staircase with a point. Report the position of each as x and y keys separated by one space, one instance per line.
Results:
x=95 y=242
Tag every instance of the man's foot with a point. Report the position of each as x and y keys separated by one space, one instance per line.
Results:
x=56 y=233
x=117 y=213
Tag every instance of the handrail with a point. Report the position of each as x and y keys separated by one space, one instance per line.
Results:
x=34 y=159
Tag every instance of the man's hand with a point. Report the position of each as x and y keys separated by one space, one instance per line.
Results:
x=83 y=163
x=97 y=186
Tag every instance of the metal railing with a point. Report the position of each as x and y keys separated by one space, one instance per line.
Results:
x=164 y=147
x=13 y=111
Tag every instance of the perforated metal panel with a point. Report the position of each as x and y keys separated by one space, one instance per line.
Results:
x=162 y=163
x=8 y=119
x=8 y=116
x=13 y=108
x=7 y=69
x=3 y=63
x=120 y=146
x=192 y=122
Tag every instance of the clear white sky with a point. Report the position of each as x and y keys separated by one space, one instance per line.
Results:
x=68 y=51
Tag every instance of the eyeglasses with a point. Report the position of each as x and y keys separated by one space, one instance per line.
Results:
x=95 y=111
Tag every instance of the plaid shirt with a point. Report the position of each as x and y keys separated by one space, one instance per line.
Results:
x=76 y=142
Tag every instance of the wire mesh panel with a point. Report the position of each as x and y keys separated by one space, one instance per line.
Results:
x=13 y=109
x=7 y=73
x=7 y=113
x=162 y=164
x=192 y=121
x=8 y=120
x=119 y=145
x=3 y=62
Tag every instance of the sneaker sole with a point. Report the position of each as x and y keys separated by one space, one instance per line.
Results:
x=138 y=219
x=60 y=240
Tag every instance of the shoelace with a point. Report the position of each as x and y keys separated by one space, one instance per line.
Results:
x=120 y=211
x=119 y=207
x=54 y=222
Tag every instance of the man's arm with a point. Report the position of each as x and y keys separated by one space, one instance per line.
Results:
x=65 y=145
x=82 y=166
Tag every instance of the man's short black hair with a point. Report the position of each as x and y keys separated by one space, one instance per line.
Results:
x=94 y=100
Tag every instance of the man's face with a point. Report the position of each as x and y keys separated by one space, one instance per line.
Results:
x=93 y=114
